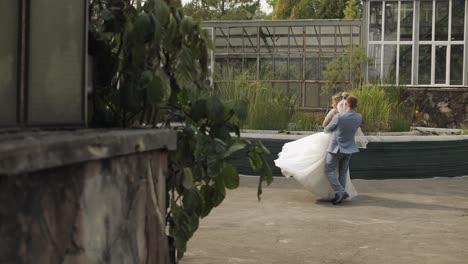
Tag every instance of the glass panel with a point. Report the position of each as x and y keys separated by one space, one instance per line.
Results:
x=280 y=69
x=391 y=20
x=440 y=64
x=323 y=65
x=389 y=64
x=280 y=39
x=456 y=65
x=250 y=39
x=295 y=68
x=312 y=40
x=406 y=21
x=406 y=55
x=375 y=21
x=313 y=71
x=424 y=72
x=312 y=95
x=297 y=40
x=441 y=20
x=266 y=69
x=221 y=41
x=324 y=97
x=56 y=61
x=458 y=19
x=249 y=65
x=425 y=20
x=281 y=87
x=266 y=40
x=376 y=62
x=8 y=60
x=295 y=90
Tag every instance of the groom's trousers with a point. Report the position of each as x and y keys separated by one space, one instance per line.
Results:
x=334 y=160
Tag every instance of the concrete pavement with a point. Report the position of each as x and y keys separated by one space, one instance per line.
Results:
x=422 y=221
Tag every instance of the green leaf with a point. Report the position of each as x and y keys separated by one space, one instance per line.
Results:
x=220 y=191
x=230 y=176
x=185 y=70
x=221 y=132
x=188 y=178
x=236 y=146
x=162 y=11
x=144 y=27
x=262 y=149
x=193 y=201
x=159 y=89
x=186 y=25
x=170 y=33
x=207 y=193
x=239 y=107
x=215 y=110
x=198 y=110
x=146 y=78
x=255 y=160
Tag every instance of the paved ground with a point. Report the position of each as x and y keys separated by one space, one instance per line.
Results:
x=392 y=221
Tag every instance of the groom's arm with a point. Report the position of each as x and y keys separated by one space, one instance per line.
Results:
x=332 y=125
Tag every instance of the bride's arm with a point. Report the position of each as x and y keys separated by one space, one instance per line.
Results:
x=329 y=117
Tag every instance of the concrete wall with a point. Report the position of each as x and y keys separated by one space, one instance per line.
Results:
x=106 y=207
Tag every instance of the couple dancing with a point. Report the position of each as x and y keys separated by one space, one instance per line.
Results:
x=320 y=162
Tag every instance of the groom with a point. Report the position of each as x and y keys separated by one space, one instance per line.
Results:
x=341 y=147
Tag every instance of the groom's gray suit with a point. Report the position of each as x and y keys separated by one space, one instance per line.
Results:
x=343 y=127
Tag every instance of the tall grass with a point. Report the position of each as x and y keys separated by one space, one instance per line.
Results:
x=267 y=108
x=380 y=108
x=306 y=121
x=374 y=106
x=464 y=126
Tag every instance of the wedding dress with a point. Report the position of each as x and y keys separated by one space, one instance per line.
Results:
x=304 y=160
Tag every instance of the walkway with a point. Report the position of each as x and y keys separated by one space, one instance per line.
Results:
x=392 y=221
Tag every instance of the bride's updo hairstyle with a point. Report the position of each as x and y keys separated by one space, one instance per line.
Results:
x=352 y=101
x=336 y=98
x=345 y=95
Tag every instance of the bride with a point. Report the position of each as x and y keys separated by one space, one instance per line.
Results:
x=304 y=159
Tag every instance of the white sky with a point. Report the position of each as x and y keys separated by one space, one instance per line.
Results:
x=265 y=7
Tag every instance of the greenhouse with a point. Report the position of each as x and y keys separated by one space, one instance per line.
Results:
x=289 y=55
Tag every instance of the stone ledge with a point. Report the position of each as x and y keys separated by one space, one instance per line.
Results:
x=25 y=152
x=438 y=89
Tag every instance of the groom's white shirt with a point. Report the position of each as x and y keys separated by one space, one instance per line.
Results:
x=344 y=127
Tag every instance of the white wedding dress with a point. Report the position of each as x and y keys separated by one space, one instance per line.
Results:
x=304 y=160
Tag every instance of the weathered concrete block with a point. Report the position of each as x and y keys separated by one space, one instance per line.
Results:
x=92 y=211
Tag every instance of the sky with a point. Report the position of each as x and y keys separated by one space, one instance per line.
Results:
x=265 y=7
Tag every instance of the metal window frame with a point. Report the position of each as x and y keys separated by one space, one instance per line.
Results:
x=415 y=42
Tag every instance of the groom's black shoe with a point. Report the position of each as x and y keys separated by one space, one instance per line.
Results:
x=345 y=196
x=339 y=197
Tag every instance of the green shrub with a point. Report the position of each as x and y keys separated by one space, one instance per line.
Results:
x=380 y=108
x=374 y=106
x=464 y=126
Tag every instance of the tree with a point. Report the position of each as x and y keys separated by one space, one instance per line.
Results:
x=353 y=9
x=346 y=68
x=331 y=9
x=316 y=9
x=305 y=9
x=222 y=9
x=150 y=68
x=282 y=9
